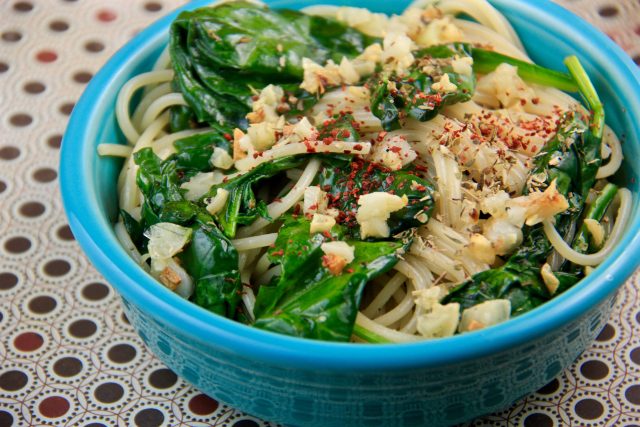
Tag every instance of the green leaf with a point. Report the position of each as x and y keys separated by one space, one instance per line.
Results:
x=345 y=181
x=209 y=258
x=242 y=207
x=181 y=117
x=222 y=55
x=397 y=97
x=219 y=293
x=307 y=300
x=212 y=261
x=194 y=152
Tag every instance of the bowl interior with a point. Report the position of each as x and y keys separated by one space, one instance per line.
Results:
x=89 y=191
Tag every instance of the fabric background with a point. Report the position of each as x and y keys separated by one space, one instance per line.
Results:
x=68 y=356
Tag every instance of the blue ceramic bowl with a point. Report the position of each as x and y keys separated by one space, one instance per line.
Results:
x=304 y=382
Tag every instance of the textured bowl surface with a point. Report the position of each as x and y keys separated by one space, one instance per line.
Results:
x=302 y=382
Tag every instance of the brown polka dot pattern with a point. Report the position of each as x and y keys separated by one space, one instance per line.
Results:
x=62 y=329
x=9 y=152
x=58 y=26
x=620 y=20
x=34 y=88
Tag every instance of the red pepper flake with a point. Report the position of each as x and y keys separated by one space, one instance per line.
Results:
x=357 y=147
x=228 y=137
x=395 y=149
x=310 y=147
x=535 y=101
x=279 y=252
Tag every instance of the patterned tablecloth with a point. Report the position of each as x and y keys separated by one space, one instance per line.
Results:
x=68 y=356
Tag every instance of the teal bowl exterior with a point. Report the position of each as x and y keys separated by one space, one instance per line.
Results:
x=303 y=382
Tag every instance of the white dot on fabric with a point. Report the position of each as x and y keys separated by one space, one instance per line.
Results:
x=72 y=355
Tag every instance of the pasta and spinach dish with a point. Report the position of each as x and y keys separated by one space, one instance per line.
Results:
x=344 y=175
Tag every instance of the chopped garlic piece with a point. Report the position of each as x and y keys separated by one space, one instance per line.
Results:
x=239 y=151
x=507 y=87
x=167 y=239
x=428 y=298
x=305 y=130
x=200 y=183
x=503 y=235
x=216 y=204
x=550 y=280
x=481 y=249
x=315 y=200
x=438 y=31
x=341 y=249
x=394 y=153
x=596 y=230
x=365 y=63
x=262 y=135
x=265 y=107
x=348 y=72
x=444 y=85
x=171 y=274
x=543 y=205
x=485 y=314
x=374 y=210
x=169 y=278
x=321 y=223
x=463 y=65
x=441 y=321
x=334 y=263
x=221 y=159
x=317 y=78
x=495 y=204
x=396 y=53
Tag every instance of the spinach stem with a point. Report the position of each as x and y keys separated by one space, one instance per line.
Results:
x=595 y=211
x=368 y=336
x=588 y=92
x=485 y=61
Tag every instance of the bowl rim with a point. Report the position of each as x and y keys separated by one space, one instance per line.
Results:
x=95 y=235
